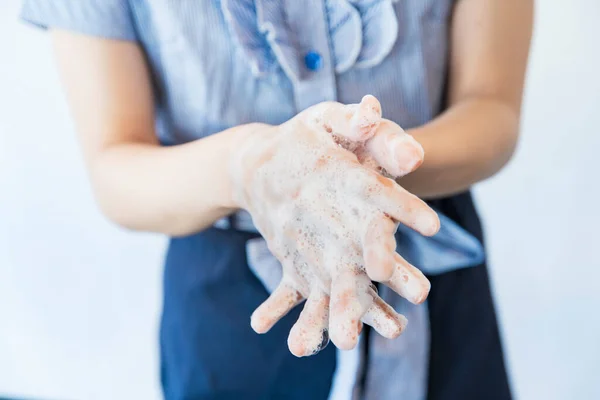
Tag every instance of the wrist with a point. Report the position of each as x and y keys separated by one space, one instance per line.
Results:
x=245 y=145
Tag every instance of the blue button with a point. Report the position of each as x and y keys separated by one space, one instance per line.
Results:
x=313 y=61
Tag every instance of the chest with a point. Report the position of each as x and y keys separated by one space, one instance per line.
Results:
x=219 y=63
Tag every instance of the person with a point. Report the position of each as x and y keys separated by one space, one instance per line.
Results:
x=235 y=124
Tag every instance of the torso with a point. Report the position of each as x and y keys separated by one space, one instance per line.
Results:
x=204 y=73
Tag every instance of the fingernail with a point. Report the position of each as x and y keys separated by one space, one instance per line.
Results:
x=374 y=288
x=324 y=341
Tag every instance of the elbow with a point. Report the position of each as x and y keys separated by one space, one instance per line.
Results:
x=120 y=211
x=117 y=217
x=124 y=213
x=134 y=219
x=130 y=205
x=109 y=199
x=115 y=199
x=506 y=140
x=504 y=153
x=115 y=211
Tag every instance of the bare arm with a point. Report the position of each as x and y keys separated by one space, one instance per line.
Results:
x=477 y=135
x=138 y=183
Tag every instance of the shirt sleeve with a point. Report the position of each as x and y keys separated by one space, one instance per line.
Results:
x=111 y=19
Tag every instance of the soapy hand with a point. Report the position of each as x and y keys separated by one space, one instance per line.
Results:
x=319 y=192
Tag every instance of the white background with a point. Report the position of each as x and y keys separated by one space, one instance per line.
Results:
x=80 y=299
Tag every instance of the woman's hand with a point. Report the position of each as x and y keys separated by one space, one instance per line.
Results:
x=316 y=190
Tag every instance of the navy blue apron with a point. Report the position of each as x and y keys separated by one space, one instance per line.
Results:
x=209 y=351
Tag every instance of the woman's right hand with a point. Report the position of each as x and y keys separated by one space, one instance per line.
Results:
x=317 y=189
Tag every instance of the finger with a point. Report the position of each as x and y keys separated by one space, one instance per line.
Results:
x=379 y=247
x=395 y=150
x=352 y=122
x=384 y=319
x=365 y=119
x=408 y=281
x=350 y=299
x=310 y=333
x=404 y=207
x=279 y=303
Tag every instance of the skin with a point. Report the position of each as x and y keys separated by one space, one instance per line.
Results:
x=143 y=186
x=476 y=136
x=314 y=189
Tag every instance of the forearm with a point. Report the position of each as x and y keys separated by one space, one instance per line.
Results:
x=476 y=136
x=174 y=190
x=469 y=142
